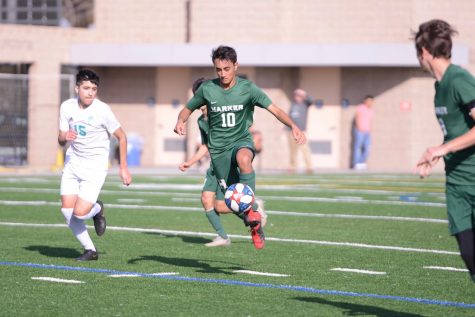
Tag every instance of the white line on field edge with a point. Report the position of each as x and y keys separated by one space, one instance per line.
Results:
x=445 y=268
x=260 y=273
x=357 y=271
x=57 y=280
x=206 y=234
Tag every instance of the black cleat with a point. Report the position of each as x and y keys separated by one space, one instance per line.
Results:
x=100 y=220
x=88 y=255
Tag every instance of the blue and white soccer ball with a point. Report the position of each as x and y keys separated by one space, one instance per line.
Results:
x=239 y=197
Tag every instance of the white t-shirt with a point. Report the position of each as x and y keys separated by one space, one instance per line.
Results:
x=93 y=125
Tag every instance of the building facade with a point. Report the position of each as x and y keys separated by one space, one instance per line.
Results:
x=149 y=52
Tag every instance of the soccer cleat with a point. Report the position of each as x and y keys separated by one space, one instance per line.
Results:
x=261 y=211
x=88 y=255
x=253 y=218
x=257 y=235
x=100 y=220
x=219 y=242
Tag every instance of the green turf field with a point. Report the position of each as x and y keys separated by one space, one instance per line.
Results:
x=337 y=245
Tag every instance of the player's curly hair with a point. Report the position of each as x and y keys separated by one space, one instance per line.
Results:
x=436 y=37
x=87 y=75
x=225 y=53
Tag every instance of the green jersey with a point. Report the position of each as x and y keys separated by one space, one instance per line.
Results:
x=453 y=92
x=204 y=129
x=230 y=112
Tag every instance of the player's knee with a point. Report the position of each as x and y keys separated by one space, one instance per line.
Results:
x=220 y=206
x=207 y=200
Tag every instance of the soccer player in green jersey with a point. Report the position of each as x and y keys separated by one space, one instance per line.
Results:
x=230 y=101
x=454 y=108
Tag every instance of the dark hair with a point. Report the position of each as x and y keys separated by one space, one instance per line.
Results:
x=436 y=37
x=368 y=97
x=197 y=83
x=87 y=75
x=225 y=53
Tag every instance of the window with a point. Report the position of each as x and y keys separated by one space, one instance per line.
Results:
x=64 y=13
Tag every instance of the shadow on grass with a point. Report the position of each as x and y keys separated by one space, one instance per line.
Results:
x=200 y=265
x=187 y=239
x=54 y=252
x=356 y=309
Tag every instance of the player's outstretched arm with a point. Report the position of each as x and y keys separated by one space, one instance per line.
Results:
x=180 y=127
x=299 y=135
x=202 y=151
x=123 y=169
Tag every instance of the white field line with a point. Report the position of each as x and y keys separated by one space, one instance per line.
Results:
x=358 y=271
x=138 y=275
x=280 y=198
x=443 y=268
x=270 y=212
x=260 y=273
x=206 y=234
x=56 y=280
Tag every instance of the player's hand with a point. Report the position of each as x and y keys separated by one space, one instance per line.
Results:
x=429 y=159
x=125 y=176
x=184 y=166
x=180 y=128
x=71 y=135
x=299 y=135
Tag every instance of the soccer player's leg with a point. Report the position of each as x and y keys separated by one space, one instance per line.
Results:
x=460 y=212
x=208 y=198
x=87 y=205
x=244 y=156
x=69 y=196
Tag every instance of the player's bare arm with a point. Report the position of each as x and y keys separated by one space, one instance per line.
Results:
x=202 y=151
x=65 y=136
x=432 y=155
x=180 y=127
x=298 y=134
x=123 y=169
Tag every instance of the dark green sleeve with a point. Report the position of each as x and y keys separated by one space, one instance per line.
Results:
x=464 y=86
x=259 y=98
x=197 y=100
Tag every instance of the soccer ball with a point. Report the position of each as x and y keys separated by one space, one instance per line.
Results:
x=239 y=197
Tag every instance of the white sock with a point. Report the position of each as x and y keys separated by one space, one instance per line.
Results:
x=78 y=228
x=94 y=211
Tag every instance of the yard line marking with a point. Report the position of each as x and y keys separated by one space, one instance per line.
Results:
x=357 y=271
x=280 y=198
x=448 y=268
x=131 y=200
x=260 y=273
x=57 y=280
x=271 y=212
x=206 y=234
x=249 y=284
x=138 y=275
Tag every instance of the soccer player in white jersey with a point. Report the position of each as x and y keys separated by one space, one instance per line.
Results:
x=87 y=123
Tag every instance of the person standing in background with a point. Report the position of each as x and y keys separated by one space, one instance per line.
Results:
x=362 y=133
x=298 y=113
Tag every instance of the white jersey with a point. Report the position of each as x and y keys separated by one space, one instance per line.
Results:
x=93 y=125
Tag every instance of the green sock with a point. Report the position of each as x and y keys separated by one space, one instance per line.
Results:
x=250 y=180
x=215 y=221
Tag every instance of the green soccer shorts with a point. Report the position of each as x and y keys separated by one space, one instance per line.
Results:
x=225 y=167
x=460 y=207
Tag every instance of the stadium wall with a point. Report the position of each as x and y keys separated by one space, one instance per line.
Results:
x=147 y=96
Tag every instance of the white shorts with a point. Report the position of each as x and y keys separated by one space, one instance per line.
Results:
x=83 y=182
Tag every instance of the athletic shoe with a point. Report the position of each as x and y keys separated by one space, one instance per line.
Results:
x=219 y=242
x=88 y=255
x=254 y=219
x=261 y=211
x=100 y=220
x=258 y=237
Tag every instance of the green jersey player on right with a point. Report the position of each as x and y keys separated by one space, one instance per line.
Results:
x=230 y=101
x=454 y=108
